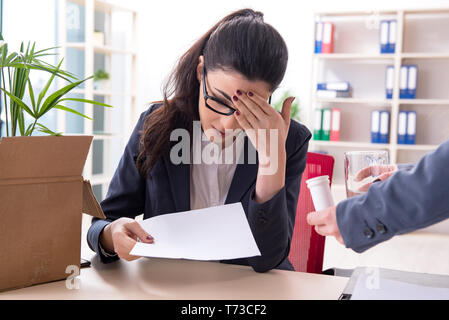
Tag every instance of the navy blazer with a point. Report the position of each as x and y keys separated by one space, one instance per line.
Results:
x=413 y=198
x=168 y=191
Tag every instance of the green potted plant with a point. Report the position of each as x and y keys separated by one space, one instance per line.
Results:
x=101 y=78
x=42 y=191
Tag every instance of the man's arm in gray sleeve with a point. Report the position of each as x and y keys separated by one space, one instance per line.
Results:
x=408 y=200
x=406 y=166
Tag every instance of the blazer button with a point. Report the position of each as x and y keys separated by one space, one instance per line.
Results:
x=261 y=213
x=381 y=228
x=368 y=232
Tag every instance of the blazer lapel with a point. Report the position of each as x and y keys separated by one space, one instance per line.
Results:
x=245 y=174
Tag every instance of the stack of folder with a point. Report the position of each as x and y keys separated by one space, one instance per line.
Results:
x=324 y=37
x=406 y=127
x=388 y=36
x=380 y=126
x=339 y=89
x=327 y=124
x=407 y=84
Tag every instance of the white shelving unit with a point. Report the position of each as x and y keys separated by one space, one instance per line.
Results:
x=422 y=40
x=78 y=20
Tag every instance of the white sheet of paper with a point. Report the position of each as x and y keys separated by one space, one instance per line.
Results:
x=214 y=233
x=388 y=289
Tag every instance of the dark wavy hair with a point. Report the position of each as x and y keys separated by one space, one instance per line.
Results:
x=240 y=42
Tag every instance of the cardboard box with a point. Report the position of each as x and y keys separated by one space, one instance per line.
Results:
x=42 y=196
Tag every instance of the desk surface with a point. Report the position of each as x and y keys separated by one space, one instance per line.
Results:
x=184 y=279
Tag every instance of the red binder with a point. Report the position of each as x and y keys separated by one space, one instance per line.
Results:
x=335 y=125
x=328 y=38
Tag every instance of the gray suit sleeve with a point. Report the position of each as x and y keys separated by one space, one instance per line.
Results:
x=409 y=200
x=406 y=166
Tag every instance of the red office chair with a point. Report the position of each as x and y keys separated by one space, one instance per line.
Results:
x=307 y=247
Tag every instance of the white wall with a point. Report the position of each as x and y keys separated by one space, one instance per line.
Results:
x=169 y=28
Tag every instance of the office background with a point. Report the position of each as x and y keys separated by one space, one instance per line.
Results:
x=163 y=31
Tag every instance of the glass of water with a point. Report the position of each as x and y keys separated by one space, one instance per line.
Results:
x=361 y=169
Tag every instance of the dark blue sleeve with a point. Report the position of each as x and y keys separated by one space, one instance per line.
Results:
x=272 y=222
x=126 y=193
x=409 y=200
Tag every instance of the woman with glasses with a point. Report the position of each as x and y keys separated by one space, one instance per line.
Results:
x=223 y=83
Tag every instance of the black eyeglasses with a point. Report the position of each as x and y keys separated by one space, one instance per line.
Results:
x=215 y=104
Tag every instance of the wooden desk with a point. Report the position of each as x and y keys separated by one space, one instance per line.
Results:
x=184 y=279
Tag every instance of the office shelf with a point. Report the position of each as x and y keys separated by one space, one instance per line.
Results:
x=424 y=101
x=421 y=39
x=99 y=48
x=354 y=101
x=95 y=35
x=425 y=55
x=105 y=93
x=417 y=147
x=354 y=56
x=349 y=144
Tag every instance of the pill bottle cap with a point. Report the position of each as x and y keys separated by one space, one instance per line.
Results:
x=317 y=181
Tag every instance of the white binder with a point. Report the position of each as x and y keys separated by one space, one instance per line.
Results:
x=384 y=36
x=411 y=127
x=389 y=82
x=403 y=83
x=411 y=82
x=375 y=121
x=402 y=127
x=392 y=37
x=318 y=37
x=384 y=126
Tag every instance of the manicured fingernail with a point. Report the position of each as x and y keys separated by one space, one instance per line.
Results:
x=150 y=238
x=250 y=94
x=235 y=98
x=239 y=92
x=237 y=113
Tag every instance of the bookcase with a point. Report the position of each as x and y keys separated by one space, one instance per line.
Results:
x=97 y=35
x=422 y=39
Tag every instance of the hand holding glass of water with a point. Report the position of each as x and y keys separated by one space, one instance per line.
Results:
x=362 y=168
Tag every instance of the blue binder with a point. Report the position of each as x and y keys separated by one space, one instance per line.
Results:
x=375 y=122
x=389 y=82
x=403 y=84
x=384 y=35
x=340 y=86
x=318 y=37
x=391 y=46
x=384 y=126
x=411 y=127
x=412 y=81
x=402 y=127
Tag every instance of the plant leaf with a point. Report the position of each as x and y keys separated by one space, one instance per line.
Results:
x=61 y=74
x=30 y=91
x=29 y=131
x=53 y=99
x=72 y=111
x=45 y=89
x=21 y=123
x=44 y=129
x=10 y=58
x=19 y=102
x=87 y=101
x=47 y=49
